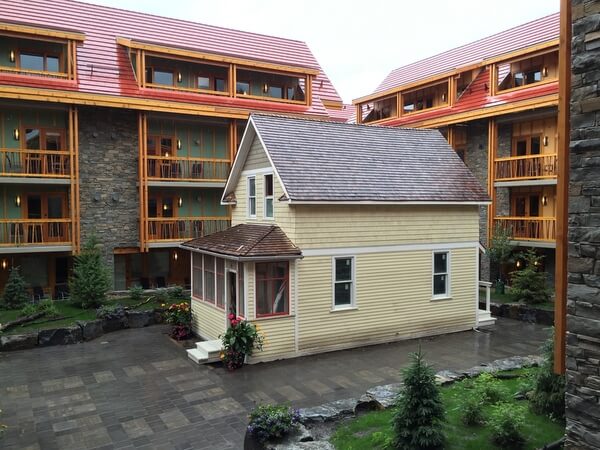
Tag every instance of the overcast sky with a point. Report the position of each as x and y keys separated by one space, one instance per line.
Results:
x=357 y=42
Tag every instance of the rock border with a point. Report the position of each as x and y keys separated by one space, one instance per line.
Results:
x=322 y=417
x=522 y=312
x=82 y=330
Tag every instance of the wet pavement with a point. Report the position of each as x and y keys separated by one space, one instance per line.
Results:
x=136 y=389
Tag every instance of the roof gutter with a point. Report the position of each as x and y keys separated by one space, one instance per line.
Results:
x=376 y=202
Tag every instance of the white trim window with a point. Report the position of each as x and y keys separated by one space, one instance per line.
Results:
x=343 y=282
x=441 y=274
x=251 y=196
x=269 y=212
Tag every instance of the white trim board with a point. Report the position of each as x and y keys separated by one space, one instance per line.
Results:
x=344 y=251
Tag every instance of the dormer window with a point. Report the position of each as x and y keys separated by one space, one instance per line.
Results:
x=160 y=76
x=526 y=71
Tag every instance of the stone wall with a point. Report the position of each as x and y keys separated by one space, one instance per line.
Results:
x=477 y=160
x=583 y=300
x=108 y=170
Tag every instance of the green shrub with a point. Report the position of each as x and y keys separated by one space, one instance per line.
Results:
x=418 y=420
x=15 y=292
x=269 y=422
x=48 y=307
x=548 y=396
x=506 y=423
x=176 y=292
x=472 y=411
x=106 y=310
x=90 y=280
x=529 y=283
x=136 y=293
x=162 y=295
x=28 y=310
x=489 y=389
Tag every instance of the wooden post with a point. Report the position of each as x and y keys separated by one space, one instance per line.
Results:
x=76 y=160
x=142 y=79
x=451 y=137
x=233 y=71
x=142 y=182
x=492 y=142
x=359 y=118
x=72 y=188
x=562 y=187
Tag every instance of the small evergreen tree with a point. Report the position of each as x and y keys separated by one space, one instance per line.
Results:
x=15 y=292
x=529 y=283
x=548 y=396
x=90 y=280
x=500 y=251
x=419 y=416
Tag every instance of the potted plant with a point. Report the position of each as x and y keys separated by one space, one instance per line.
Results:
x=239 y=341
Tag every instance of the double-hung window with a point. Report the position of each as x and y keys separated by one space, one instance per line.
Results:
x=251 y=197
x=343 y=282
x=269 y=196
x=441 y=274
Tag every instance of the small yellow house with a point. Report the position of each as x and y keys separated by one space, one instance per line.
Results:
x=343 y=235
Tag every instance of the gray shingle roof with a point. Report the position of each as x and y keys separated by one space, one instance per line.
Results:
x=328 y=161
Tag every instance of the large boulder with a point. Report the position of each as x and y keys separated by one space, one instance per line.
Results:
x=18 y=342
x=114 y=320
x=92 y=329
x=60 y=336
x=139 y=319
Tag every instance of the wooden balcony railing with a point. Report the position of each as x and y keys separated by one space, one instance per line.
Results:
x=187 y=169
x=161 y=229
x=526 y=167
x=529 y=228
x=34 y=232
x=35 y=163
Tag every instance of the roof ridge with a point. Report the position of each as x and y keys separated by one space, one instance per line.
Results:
x=335 y=122
x=114 y=8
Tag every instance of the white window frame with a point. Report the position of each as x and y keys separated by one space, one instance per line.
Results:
x=270 y=197
x=448 y=293
x=352 y=304
x=250 y=197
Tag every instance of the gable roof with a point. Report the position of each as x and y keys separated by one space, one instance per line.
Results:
x=332 y=162
x=522 y=36
x=247 y=241
x=103 y=66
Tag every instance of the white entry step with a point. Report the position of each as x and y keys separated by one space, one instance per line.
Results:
x=485 y=318
x=206 y=352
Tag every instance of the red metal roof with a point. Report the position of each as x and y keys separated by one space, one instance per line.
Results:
x=341 y=115
x=526 y=35
x=103 y=66
x=475 y=97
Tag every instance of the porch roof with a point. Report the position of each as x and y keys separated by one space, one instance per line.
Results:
x=247 y=241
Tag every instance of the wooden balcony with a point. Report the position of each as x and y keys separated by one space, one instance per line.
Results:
x=542 y=229
x=168 y=168
x=35 y=232
x=35 y=163
x=161 y=229
x=530 y=167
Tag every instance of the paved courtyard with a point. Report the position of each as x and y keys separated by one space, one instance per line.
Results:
x=135 y=389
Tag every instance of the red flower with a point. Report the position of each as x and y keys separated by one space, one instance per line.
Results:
x=231 y=317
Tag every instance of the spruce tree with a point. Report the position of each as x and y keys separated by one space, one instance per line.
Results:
x=529 y=283
x=15 y=292
x=90 y=280
x=419 y=416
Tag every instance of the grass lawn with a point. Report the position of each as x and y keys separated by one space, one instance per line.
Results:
x=71 y=314
x=372 y=430
x=507 y=298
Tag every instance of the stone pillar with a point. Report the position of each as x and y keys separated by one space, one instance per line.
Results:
x=108 y=168
x=583 y=299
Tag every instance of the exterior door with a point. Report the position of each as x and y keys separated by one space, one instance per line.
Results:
x=41 y=210
x=232 y=293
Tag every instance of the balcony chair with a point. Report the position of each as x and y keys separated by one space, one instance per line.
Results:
x=197 y=169
x=38 y=294
x=145 y=282
x=61 y=291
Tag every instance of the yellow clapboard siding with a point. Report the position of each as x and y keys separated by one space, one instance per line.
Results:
x=257 y=158
x=283 y=214
x=393 y=294
x=207 y=320
x=326 y=226
x=279 y=337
